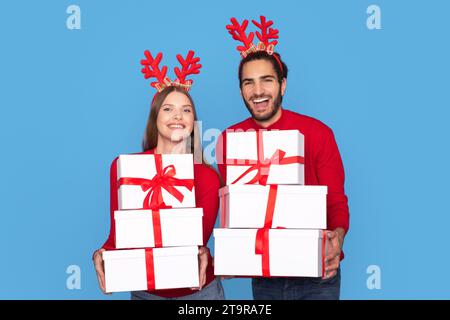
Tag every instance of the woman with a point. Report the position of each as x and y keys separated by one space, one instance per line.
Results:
x=170 y=129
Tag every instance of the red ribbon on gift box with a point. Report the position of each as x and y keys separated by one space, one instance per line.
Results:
x=164 y=178
x=324 y=253
x=157 y=234
x=262 y=235
x=222 y=209
x=150 y=269
x=262 y=166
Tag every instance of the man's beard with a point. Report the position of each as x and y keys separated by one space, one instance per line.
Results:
x=270 y=114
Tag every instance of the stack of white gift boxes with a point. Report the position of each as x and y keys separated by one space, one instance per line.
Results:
x=158 y=229
x=271 y=224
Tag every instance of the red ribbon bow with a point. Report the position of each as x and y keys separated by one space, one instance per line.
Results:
x=263 y=166
x=164 y=178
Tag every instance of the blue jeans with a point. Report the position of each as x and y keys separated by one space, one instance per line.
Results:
x=213 y=291
x=297 y=288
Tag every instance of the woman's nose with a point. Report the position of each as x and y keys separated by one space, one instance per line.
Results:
x=177 y=115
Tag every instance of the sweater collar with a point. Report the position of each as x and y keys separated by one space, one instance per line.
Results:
x=150 y=151
x=276 y=125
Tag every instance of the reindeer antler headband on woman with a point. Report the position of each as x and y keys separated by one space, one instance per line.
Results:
x=266 y=37
x=151 y=69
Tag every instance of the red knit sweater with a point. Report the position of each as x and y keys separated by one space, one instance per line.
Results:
x=207 y=184
x=323 y=164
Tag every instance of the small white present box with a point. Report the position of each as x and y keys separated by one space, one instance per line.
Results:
x=150 y=269
x=149 y=180
x=291 y=253
x=158 y=228
x=295 y=206
x=281 y=150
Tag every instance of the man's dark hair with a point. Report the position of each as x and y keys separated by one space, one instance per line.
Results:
x=263 y=55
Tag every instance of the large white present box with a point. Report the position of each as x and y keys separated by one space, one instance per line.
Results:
x=242 y=147
x=292 y=253
x=296 y=206
x=139 y=183
x=169 y=227
x=169 y=268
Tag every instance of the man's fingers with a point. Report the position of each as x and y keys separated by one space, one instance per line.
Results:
x=333 y=253
x=329 y=274
x=332 y=266
x=332 y=256
x=202 y=281
x=331 y=235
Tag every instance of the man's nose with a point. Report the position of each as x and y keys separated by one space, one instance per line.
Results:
x=259 y=89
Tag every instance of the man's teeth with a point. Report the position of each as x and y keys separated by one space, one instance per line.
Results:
x=260 y=100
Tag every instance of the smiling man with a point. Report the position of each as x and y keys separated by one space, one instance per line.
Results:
x=263 y=82
x=261 y=90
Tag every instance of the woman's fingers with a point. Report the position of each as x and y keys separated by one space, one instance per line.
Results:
x=100 y=269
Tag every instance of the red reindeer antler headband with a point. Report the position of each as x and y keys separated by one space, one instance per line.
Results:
x=266 y=36
x=151 y=69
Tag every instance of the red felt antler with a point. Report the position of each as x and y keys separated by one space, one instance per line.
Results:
x=188 y=66
x=238 y=33
x=267 y=33
x=151 y=69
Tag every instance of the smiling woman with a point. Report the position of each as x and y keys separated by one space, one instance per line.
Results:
x=170 y=130
x=171 y=123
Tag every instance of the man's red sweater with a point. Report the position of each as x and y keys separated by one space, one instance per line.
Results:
x=207 y=184
x=323 y=164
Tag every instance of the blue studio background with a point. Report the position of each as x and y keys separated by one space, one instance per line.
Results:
x=71 y=100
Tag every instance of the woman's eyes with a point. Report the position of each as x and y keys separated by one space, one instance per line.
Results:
x=169 y=109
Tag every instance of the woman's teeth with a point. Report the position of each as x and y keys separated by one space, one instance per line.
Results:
x=176 y=126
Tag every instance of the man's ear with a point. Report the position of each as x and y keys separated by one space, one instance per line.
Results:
x=283 y=86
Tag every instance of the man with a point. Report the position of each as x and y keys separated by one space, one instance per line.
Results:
x=263 y=82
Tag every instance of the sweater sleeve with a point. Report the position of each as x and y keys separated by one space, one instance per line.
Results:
x=110 y=242
x=221 y=156
x=330 y=172
x=207 y=197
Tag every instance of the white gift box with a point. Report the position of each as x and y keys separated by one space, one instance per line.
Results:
x=125 y=270
x=243 y=145
x=296 y=206
x=292 y=253
x=178 y=227
x=143 y=166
